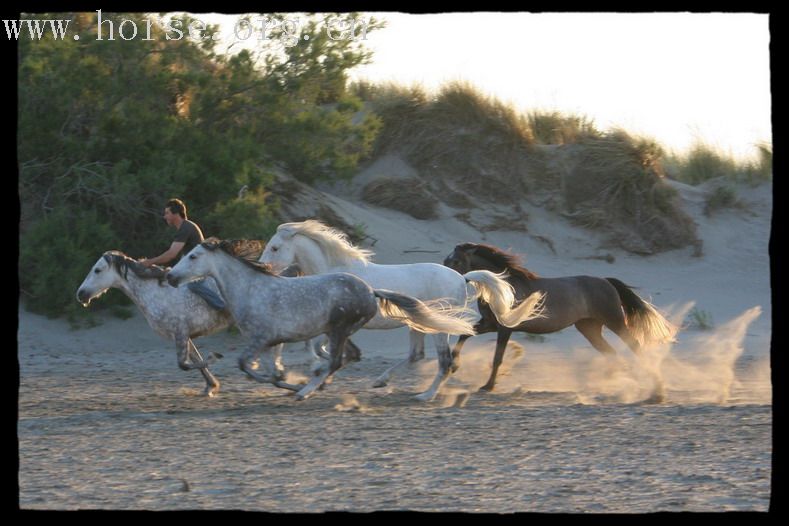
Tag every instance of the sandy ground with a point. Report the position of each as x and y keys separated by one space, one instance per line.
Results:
x=107 y=420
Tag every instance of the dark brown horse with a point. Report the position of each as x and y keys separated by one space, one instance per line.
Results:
x=587 y=302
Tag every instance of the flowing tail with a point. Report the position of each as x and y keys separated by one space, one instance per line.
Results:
x=642 y=318
x=499 y=295
x=425 y=316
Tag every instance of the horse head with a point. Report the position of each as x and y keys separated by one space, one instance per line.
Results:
x=280 y=251
x=103 y=275
x=195 y=264
x=460 y=259
x=314 y=246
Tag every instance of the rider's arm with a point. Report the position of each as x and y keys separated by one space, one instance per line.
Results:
x=166 y=256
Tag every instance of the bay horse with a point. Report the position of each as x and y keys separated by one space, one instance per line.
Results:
x=588 y=302
x=270 y=309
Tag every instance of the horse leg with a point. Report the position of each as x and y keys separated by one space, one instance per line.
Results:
x=593 y=331
x=659 y=394
x=250 y=356
x=248 y=362
x=337 y=339
x=316 y=347
x=185 y=348
x=189 y=358
x=323 y=375
x=444 y=367
x=456 y=351
x=352 y=352
x=274 y=358
x=502 y=338
x=416 y=353
x=212 y=384
x=624 y=333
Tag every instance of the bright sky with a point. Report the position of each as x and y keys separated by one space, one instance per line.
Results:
x=676 y=77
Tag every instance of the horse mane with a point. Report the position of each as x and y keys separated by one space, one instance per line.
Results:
x=500 y=258
x=250 y=249
x=333 y=243
x=124 y=263
x=242 y=250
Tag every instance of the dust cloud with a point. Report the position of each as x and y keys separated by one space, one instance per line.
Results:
x=701 y=367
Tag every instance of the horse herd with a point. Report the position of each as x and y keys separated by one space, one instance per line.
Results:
x=312 y=285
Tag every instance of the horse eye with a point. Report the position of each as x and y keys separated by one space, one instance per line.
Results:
x=192 y=256
x=274 y=249
x=96 y=270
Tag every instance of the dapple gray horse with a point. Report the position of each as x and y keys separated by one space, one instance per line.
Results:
x=270 y=309
x=178 y=315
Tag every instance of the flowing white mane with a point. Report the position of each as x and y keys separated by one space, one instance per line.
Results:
x=333 y=243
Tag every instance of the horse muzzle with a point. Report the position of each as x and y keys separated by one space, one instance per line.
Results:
x=173 y=280
x=83 y=297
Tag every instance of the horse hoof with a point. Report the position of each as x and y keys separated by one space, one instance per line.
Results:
x=488 y=388
x=217 y=356
x=380 y=383
x=425 y=397
x=656 y=398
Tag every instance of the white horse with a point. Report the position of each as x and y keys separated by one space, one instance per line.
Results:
x=270 y=309
x=318 y=249
x=178 y=315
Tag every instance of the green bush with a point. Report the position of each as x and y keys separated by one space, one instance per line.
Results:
x=56 y=254
x=248 y=216
x=109 y=130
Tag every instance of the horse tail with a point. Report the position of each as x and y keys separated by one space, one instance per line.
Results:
x=500 y=295
x=642 y=318
x=434 y=316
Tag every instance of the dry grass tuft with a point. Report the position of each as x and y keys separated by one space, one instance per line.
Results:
x=411 y=196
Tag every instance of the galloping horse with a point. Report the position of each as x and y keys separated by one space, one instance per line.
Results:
x=178 y=315
x=270 y=309
x=318 y=249
x=587 y=302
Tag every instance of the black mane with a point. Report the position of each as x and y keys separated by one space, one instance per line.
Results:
x=124 y=263
x=246 y=250
x=498 y=258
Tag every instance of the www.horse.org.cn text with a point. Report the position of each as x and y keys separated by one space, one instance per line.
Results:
x=286 y=31
x=289 y=30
